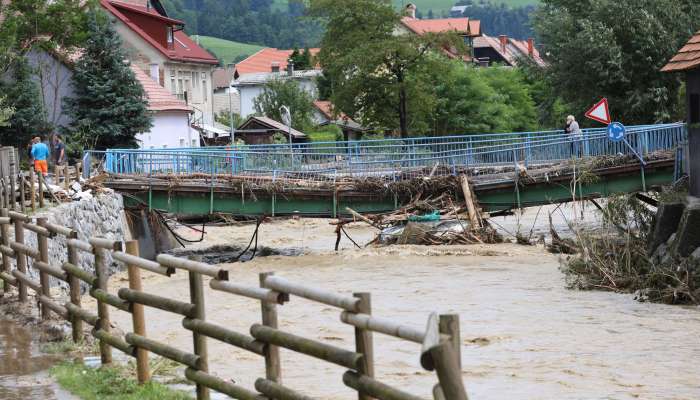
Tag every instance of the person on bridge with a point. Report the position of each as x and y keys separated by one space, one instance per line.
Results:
x=40 y=154
x=576 y=136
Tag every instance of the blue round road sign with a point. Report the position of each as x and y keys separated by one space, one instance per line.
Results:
x=616 y=132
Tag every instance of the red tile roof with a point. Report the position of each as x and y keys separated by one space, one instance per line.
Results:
x=687 y=58
x=462 y=26
x=159 y=99
x=263 y=59
x=184 y=49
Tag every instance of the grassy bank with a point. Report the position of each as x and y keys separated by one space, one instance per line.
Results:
x=110 y=383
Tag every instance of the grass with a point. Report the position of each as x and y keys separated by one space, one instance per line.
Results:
x=227 y=50
x=110 y=383
x=69 y=347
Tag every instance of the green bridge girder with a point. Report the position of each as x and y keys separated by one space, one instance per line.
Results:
x=195 y=200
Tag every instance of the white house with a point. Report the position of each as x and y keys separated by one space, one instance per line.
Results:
x=250 y=86
x=171 y=116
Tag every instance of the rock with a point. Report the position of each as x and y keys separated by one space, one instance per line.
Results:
x=668 y=218
x=688 y=234
x=695 y=254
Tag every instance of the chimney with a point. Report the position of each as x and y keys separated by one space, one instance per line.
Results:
x=504 y=42
x=531 y=47
x=290 y=67
x=230 y=68
x=148 y=5
x=411 y=10
x=275 y=66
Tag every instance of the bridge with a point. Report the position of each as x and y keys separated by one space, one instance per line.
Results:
x=507 y=171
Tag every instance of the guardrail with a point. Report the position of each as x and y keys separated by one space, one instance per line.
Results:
x=440 y=341
x=391 y=157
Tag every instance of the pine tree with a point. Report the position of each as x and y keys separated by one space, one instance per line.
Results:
x=109 y=108
x=23 y=96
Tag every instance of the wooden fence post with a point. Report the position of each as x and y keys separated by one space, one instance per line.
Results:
x=102 y=309
x=13 y=192
x=200 y=341
x=364 y=341
x=32 y=189
x=22 y=194
x=5 y=241
x=137 y=314
x=66 y=178
x=273 y=364
x=20 y=258
x=43 y=242
x=449 y=325
x=74 y=284
x=40 y=176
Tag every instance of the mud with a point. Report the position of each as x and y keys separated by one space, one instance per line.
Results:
x=524 y=335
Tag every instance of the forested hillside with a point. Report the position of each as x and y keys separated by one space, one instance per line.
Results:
x=247 y=21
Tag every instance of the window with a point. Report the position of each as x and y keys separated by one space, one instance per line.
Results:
x=172 y=73
x=194 y=143
x=172 y=86
x=194 y=79
x=170 y=35
x=204 y=76
x=204 y=90
x=182 y=142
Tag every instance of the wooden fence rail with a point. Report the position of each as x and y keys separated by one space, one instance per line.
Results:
x=440 y=340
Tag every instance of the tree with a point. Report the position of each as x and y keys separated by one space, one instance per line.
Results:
x=286 y=92
x=5 y=112
x=378 y=77
x=24 y=97
x=301 y=59
x=616 y=49
x=109 y=108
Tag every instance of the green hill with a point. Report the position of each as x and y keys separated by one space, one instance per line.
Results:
x=226 y=50
x=438 y=6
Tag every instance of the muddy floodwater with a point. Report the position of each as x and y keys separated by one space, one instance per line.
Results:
x=23 y=368
x=524 y=335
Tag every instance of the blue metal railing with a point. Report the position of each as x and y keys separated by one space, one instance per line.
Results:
x=388 y=157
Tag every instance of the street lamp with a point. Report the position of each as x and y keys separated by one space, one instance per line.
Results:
x=232 y=88
x=287 y=119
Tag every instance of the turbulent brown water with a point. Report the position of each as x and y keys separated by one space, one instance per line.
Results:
x=23 y=367
x=524 y=335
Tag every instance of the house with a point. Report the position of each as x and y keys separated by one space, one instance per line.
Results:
x=466 y=28
x=262 y=130
x=324 y=115
x=267 y=60
x=171 y=117
x=687 y=62
x=458 y=11
x=250 y=86
x=158 y=46
x=226 y=98
x=503 y=50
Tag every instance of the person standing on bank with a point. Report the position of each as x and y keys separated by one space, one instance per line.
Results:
x=59 y=152
x=40 y=154
x=575 y=136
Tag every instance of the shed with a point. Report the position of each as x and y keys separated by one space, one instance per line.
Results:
x=261 y=130
x=688 y=61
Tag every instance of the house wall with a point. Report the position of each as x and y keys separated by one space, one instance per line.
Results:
x=250 y=92
x=54 y=80
x=170 y=130
x=176 y=77
x=223 y=103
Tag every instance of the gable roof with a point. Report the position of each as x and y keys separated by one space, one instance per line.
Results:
x=184 y=49
x=272 y=125
x=222 y=78
x=159 y=99
x=326 y=109
x=514 y=49
x=462 y=26
x=263 y=59
x=688 y=56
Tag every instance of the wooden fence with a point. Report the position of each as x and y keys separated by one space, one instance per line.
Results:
x=440 y=340
x=20 y=191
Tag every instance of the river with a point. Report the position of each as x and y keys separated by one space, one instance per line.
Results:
x=524 y=335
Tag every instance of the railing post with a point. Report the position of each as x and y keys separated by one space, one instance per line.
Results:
x=22 y=193
x=32 y=189
x=5 y=241
x=13 y=192
x=20 y=258
x=102 y=309
x=74 y=285
x=43 y=242
x=137 y=314
x=273 y=365
x=200 y=341
x=449 y=325
x=364 y=341
x=40 y=176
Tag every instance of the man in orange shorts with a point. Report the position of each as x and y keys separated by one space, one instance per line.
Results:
x=40 y=154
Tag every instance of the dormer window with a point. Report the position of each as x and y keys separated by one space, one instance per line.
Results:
x=171 y=38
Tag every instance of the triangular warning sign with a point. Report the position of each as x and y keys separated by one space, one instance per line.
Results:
x=600 y=112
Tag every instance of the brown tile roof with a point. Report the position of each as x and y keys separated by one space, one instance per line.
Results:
x=184 y=49
x=687 y=58
x=159 y=99
x=514 y=49
x=263 y=59
x=462 y=26
x=272 y=125
x=222 y=77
